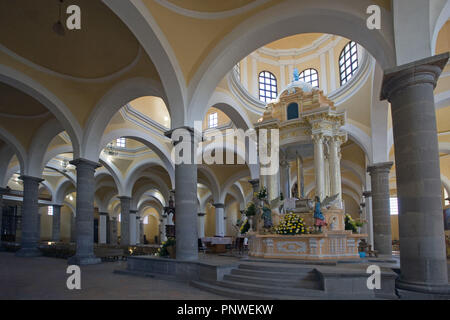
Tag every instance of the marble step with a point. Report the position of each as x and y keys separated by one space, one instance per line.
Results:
x=272 y=267
x=239 y=294
x=269 y=290
x=310 y=275
x=284 y=283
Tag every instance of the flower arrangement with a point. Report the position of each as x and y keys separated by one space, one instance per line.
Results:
x=290 y=225
x=350 y=224
x=262 y=194
x=251 y=209
x=163 y=251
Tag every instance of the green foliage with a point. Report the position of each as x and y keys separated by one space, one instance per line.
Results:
x=350 y=224
x=290 y=225
x=262 y=193
x=251 y=209
x=162 y=252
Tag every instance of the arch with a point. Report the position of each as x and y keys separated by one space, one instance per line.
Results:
x=116 y=98
x=17 y=147
x=39 y=145
x=445 y=183
x=61 y=190
x=348 y=62
x=360 y=138
x=135 y=173
x=29 y=86
x=152 y=143
x=115 y=173
x=440 y=21
x=6 y=155
x=292 y=111
x=137 y=196
x=144 y=27
x=231 y=108
x=288 y=18
x=50 y=154
x=212 y=183
x=230 y=182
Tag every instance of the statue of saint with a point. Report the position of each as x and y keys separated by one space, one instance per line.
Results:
x=267 y=215
x=319 y=219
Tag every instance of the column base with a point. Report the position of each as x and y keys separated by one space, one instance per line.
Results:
x=83 y=261
x=421 y=288
x=29 y=252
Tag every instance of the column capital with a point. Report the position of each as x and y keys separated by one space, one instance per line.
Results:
x=198 y=136
x=284 y=163
x=57 y=205
x=30 y=178
x=103 y=213
x=254 y=182
x=201 y=214
x=422 y=71
x=133 y=211
x=219 y=205
x=317 y=137
x=124 y=198
x=383 y=167
x=85 y=163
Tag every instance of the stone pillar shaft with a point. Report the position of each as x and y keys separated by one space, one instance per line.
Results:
x=138 y=230
x=132 y=219
x=113 y=231
x=319 y=171
x=335 y=167
x=29 y=241
x=73 y=229
x=85 y=213
x=125 y=239
x=186 y=141
x=409 y=89
x=102 y=227
x=2 y=192
x=379 y=177
x=56 y=223
x=220 y=225
x=201 y=225
x=285 y=179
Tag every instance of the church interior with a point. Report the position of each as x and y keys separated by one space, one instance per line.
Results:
x=358 y=120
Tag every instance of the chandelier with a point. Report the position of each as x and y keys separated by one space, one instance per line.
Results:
x=110 y=149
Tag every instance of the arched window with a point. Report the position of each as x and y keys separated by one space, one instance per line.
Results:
x=292 y=111
x=267 y=86
x=310 y=76
x=348 y=62
x=121 y=142
x=237 y=69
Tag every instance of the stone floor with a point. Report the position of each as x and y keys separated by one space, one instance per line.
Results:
x=45 y=278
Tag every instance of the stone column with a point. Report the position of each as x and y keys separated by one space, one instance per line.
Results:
x=29 y=241
x=2 y=192
x=125 y=221
x=379 y=177
x=186 y=141
x=73 y=233
x=38 y=226
x=132 y=227
x=138 y=229
x=409 y=89
x=102 y=230
x=300 y=178
x=201 y=225
x=220 y=228
x=113 y=231
x=85 y=213
x=326 y=165
x=141 y=231
x=285 y=178
x=163 y=227
x=319 y=171
x=255 y=187
x=56 y=223
x=335 y=167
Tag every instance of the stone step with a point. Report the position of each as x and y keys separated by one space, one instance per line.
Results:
x=270 y=290
x=284 y=283
x=310 y=275
x=239 y=294
x=273 y=267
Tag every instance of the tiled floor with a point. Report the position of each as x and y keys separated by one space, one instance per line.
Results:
x=45 y=278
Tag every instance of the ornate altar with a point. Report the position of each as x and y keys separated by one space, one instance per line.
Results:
x=309 y=126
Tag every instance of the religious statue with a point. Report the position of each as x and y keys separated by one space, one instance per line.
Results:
x=267 y=215
x=319 y=219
